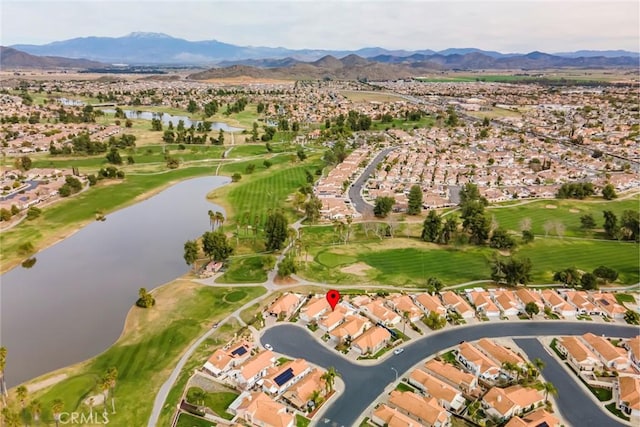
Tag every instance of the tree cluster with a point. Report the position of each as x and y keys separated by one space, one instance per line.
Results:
x=511 y=271
x=575 y=190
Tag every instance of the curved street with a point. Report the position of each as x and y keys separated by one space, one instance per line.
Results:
x=363 y=384
x=355 y=191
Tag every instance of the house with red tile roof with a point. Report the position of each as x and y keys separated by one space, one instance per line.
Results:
x=477 y=362
x=557 y=304
x=378 y=313
x=404 y=304
x=384 y=416
x=372 y=340
x=223 y=359
x=314 y=308
x=633 y=347
x=261 y=410
x=285 y=306
x=278 y=378
x=538 y=418
x=627 y=395
x=448 y=396
x=425 y=409
x=609 y=305
x=611 y=356
x=251 y=371
x=503 y=403
x=450 y=374
x=430 y=303
x=577 y=354
x=453 y=301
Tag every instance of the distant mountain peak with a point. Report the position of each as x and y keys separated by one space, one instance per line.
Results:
x=148 y=35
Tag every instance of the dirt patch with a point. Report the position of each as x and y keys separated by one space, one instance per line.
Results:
x=31 y=388
x=551 y=207
x=95 y=400
x=284 y=281
x=358 y=269
x=574 y=211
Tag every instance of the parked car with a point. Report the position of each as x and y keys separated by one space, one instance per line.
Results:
x=398 y=351
x=268 y=347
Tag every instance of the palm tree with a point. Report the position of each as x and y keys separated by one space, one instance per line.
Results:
x=219 y=219
x=539 y=364
x=36 y=409
x=405 y=317
x=57 y=406
x=329 y=378
x=112 y=376
x=10 y=418
x=3 y=364
x=21 y=393
x=212 y=217
x=511 y=368
x=349 y=222
x=104 y=385
x=549 y=388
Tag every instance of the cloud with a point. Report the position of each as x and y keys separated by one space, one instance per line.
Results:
x=506 y=26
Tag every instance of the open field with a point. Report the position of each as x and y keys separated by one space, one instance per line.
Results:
x=244 y=270
x=65 y=217
x=147 y=350
x=494 y=112
x=426 y=121
x=518 y=76
x=566 y=211
x=409 y=262
x=362 y=96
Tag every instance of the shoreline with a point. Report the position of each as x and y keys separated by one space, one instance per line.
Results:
x=67 y=231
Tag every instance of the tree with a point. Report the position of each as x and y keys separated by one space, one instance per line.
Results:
x=236 y=177
x=221 y=137
x=192 y=107
x=449 y=228
x=35 y=407
x=191 y=252
x=56 y=407
x=287 y=266
x=112 y=377
x=21 y=394
x=569 y=276
x=431 y=227
x=114 y=156
x=434 y=321
x=527 y=236
x=33 y=213
x=219 y=219
x=605 y=273
x=25 y=163
x=610 y=224
x=548 y=388
x=609 y=192
x=434 y=284
x=5 y=214
x=531 y=308
x=588 y=281
x=632 y=317
x=145 y=299
x=630 y=225
x=276 y=231
x=502 y=240
x=329 y=378
x=216 y=245
x=383 y=206
x=11 y=419
x=512 y=271
x=415 y=200
x=587 y=222
x=312 y=209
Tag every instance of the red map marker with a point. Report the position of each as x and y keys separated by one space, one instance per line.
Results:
x=333 y=297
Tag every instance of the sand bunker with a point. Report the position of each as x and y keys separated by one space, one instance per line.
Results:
x=358 y=269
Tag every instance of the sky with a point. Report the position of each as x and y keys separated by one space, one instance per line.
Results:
x=503 y=25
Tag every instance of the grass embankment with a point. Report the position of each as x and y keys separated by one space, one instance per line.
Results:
x=147 y=351
x=65 y=217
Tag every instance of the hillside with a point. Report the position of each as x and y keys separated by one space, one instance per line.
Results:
x=12 y=58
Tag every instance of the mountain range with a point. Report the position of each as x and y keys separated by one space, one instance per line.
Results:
x=157 y=48
x=12 y=58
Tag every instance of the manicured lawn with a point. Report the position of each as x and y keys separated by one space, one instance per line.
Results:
x=611 y=407
x=625 y=298
x=187 y=420
x=302 y=421
x=404 y=387
x=244 y=270
x=58 y=220
x=218 y=402
x=235 y=296
x=567 y=211
x=149 y=349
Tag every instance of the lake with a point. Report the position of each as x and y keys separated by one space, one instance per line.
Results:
x=73 y=303
x=168 y=118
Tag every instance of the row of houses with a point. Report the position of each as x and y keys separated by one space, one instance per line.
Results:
x=272 y=392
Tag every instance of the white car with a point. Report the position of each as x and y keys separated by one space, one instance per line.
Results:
x=268 y=347
x=398 y=351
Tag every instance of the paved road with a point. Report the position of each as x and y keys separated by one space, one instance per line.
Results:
x=576 y=405
x=365 y=383
x=355 y=190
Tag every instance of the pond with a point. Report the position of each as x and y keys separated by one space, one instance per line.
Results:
x=168 y=118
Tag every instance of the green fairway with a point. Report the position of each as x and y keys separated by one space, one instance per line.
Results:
x=409 y=262
x=145 y=355
x=566 y=211
x=63 y=217
x=218 y=402
x=551 y=255
x=426 y=121
x=257 y=195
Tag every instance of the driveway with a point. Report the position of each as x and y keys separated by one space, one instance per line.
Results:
x=355 y=193
x=363 y=384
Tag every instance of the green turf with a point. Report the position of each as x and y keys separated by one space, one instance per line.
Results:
x=625 y=298
x=139 y=363
x=510 y=218
x=244 y=270
x=405 y=387
x=235 y=296
x=187 y=420
x=333 y=260
x=302 y=421
x=218 y=402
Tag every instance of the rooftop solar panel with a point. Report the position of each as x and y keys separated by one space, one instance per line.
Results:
x=239 y=351
x=284 y=377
